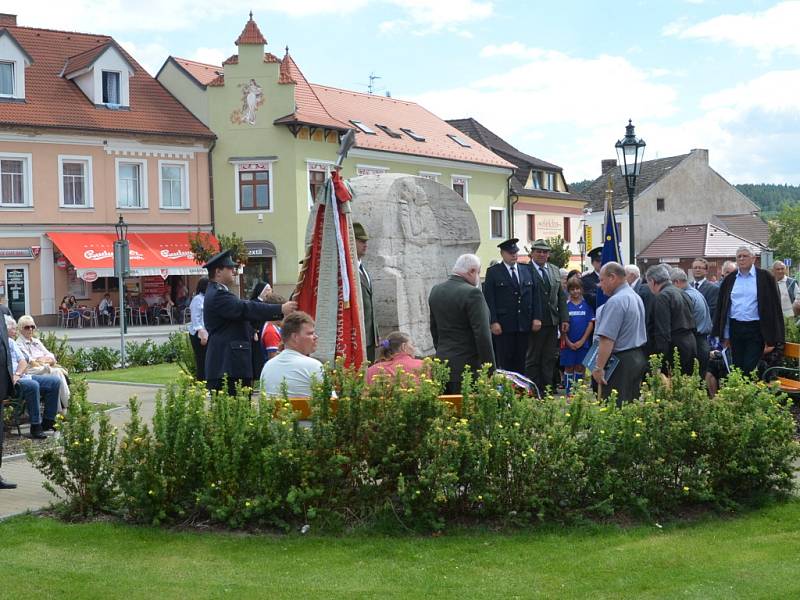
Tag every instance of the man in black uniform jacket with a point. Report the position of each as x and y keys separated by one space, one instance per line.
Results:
x=226 y=318
x=591 y=281
x=514 y=309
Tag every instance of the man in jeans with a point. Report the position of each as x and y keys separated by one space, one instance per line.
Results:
x=33 y=389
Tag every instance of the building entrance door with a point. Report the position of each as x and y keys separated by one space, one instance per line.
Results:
x=17 y=290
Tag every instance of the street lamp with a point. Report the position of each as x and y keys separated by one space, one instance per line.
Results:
x=121 y=267
x=630 y=152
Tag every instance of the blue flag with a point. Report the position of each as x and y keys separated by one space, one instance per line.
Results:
x=611 y=251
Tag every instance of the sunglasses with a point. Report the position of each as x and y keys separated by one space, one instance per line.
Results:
x=29 y=327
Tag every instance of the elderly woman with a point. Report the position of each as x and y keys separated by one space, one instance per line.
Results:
x=40 y=360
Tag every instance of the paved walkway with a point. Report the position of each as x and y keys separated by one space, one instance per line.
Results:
x=30 y=495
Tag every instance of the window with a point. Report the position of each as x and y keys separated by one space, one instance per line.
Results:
x=567 y=230
x=12 y=182
x=388 y=130
x=550 y=181
x=131 y=183
x=6 y=79
x=535 y=181
x=430 y=175
x=414 y=136
x=459 y=140
x=111 y=93
x=363 y=127
x=75 y=173
x=660 y=204
x=461 y=186
x=316 y=180
x=254 y=190
x=497 y=222
x=531 y=227
x=173 y=190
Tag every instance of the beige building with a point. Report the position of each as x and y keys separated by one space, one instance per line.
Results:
x=88 y=136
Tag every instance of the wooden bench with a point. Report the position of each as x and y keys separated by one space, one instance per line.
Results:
x=790 y=382
x=303 y=405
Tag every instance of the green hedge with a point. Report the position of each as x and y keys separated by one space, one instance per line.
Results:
x=394 y=453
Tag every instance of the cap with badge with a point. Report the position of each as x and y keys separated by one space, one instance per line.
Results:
x=595 y=254
x=540 y=244
x=220 y=260
x=360 y=233
x=509 y=246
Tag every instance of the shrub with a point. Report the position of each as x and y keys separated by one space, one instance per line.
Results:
x=184 y=355
x=60 y=347
x=142 y=354
x=394 y=452
x=102 y=358
x=81 y=361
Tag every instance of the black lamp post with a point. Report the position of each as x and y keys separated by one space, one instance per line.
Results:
x=630 y=152
x=121 y=268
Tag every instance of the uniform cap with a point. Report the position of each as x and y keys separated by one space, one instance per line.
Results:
x=223 y=259
x=509 y=245
x=359 y=232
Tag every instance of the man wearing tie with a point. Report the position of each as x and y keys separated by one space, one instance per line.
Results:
x=704 y=286
x=514 y=309
x=542 y=356
x=370 y=328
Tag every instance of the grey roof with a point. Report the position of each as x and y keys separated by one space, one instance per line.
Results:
x=706 y=239
x=525 y=163
x=651 y=172
x=749 y=226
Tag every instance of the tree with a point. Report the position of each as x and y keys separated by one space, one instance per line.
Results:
x=784 y=238
x=204 y=248
x=560 y=253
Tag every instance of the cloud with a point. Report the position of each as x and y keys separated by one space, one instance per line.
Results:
x=211 y=56
x=768 y=32
x=151 y=56
x=423 y=17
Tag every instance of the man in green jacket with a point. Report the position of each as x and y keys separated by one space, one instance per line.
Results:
x=370 y=327
x=460 y=321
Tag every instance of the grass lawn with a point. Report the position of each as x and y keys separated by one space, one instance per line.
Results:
x=164 y=373
x=754 y=556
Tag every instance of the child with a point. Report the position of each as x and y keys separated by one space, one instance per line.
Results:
x=577 y=342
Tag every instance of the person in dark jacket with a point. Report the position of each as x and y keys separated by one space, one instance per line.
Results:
x=514 y=308
x=459 y=320
x=6 y=386
x=749 y=318
x=672 y=320
x=227 y=319
x=709 y=290
x=591 y=281
x=256 y=354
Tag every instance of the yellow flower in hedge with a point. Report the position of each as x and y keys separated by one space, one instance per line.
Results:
x=247 y=504
x=76 y=443
x=567 y=414
x=213 y=485
x=638 y=435
x=151 y=493
x=59 y=417
x=500 y=425
x=480 y=498
x=87 y=440
x=603 y=409
x=694 y=434
x=602 y=431
x=686 y=489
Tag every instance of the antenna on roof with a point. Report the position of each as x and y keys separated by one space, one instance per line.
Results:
x=251 y=15
x=372 y=78
x=388 y=94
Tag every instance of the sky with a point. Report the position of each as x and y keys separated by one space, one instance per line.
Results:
x=558 y=80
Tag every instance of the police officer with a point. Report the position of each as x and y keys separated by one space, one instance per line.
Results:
x=227 y=318
x=591 y=280
x=514 y=309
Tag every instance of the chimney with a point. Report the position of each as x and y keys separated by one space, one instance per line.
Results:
x=701 y=154
x=7 y=20
x=607 y=163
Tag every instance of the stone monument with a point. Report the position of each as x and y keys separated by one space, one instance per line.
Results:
x=417 y=228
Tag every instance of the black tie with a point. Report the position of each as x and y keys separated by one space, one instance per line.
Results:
x=545 y=279
x=697 y=285
x=514 y=280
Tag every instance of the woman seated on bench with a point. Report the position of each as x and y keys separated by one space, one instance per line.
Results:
x=395 y=352
x=41 y=360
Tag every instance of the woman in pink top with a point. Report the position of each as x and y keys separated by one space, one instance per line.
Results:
x=395 y=351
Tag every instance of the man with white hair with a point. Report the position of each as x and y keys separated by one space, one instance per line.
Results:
x=787 y=286
x=459 y=319
x=634 y=278
x=701 y=313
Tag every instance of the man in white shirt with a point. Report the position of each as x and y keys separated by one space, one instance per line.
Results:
x=787 y=287
x=294 y=365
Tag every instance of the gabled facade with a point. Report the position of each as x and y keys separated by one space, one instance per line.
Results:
x=671 y=191
x=277 y=137
x=87 y=135
x=543 y=205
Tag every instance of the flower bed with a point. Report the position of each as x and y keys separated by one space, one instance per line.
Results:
x=395 y=451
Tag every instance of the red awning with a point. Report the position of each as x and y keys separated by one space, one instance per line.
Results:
x=92 y=254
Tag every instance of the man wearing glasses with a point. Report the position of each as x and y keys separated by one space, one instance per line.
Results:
x=226 y=318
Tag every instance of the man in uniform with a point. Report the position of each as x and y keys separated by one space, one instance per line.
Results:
x=541 y=357
x=591 y=280
x=460 y=321
x=370 y=328
x=226 y=318
x=514 y=309
x=6 y=375
x=621 y=333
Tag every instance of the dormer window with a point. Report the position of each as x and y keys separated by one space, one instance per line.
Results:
x=111 y=88
x=6 y=79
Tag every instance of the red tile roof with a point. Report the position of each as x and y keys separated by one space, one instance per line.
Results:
x=204 y=74
x=374 y=110
x=251 y=34
x=56 y=102
x=688 y=241
x=86 y=59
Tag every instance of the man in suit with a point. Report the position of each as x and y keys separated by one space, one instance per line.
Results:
x=6 y=387
x=591 y=281
x=370 y=328
x=460 y=321
x=541 y=358
x=749 y=319
x=673 y=323
x=704 y=286
x=227 y=318
x=514 y=309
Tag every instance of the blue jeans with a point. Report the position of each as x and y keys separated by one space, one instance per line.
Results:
x=36 y=388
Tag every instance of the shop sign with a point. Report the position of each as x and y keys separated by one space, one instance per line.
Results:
x=16 y=253
x=61 y=263
x=89 y=276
